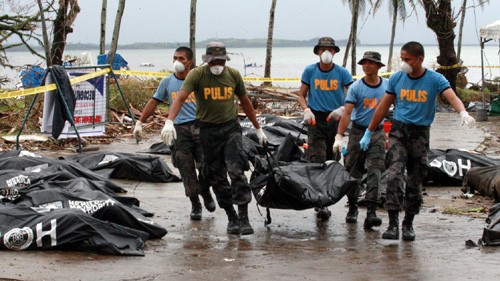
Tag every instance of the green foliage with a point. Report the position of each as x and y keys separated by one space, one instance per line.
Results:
x=469 y=95
x=137 y=92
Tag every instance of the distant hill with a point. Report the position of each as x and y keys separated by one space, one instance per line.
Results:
x=229 y=42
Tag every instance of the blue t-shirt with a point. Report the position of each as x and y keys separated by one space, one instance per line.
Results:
x=326 y=88
x=365 y=99
x=168 y=88
x=416 y=97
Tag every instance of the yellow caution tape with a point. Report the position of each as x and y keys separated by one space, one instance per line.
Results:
x=142 y=73
x=478 y=66
x=51 y=87
x=28 y=92
x=456 y=65
x=466 y=66
x=268 y=79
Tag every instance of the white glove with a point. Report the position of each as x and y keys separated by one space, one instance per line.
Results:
x=309 y=117
x=261 y=136
x=336 y=114
x=168 y=134
x=138 y=131
x=467 y=119
x=337 y=145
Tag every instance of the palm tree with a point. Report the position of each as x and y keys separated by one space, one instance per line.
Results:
x=46 y=44
x=461 y=25
x=440 y=19
x=357 y=7
x=116 y=32
x=269 y=49
x=192 y=31
x=102 y=41
x=396 y=8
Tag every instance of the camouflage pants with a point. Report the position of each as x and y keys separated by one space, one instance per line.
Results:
x=187 y=157
x=320 y=138
x=223 y=155
x=408 y=147
x=374 y=157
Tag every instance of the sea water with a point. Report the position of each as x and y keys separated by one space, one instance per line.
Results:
x=286 y=62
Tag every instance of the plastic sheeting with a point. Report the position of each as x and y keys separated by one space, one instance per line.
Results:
x=298 y=185
x=23 y=228
x=31 y=163
x=50 y=203
x=127 y=166
x=485 y=180
x=491 y=233
x=31 y=75
x=449 y=167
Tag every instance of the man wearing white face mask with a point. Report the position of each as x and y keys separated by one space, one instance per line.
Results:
x=186 y=152
x=322 y=98
x=414 y=90
x=215 y=87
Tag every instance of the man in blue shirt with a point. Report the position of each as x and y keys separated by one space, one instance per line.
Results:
x=186 y=151
x=413 y=90
x=362 y=99
x=322 y=96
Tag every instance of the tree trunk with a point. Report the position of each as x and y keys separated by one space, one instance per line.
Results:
x=116 y=32
x=192 y=31
x=347 y=47
x=460 y=28
x=269 y=49
x=393 y=34
x=354 y=30
x=62 y=26
x=440 y=20
x=46 y=43
x=102 y=41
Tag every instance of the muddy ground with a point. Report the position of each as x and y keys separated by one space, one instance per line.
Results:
x=295 y=246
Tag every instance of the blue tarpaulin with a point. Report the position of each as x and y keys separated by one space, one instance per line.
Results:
x=31 y=76
x=118 y=63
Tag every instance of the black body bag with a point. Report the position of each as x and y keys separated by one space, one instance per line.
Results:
x=298 y=185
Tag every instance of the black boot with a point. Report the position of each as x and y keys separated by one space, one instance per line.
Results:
x=196 y=208
x=392 y=231
x=352 y=214
x=371 y=219
x=245 y=227
x=233 y=226
x=208 y=201
x=407 y=228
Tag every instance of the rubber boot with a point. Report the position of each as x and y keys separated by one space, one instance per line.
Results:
x=208 y=201
x=352 y=214
x=392 y=231
x=245 y=227
x=371 y=219
x=233 y=226
x=407 y=228
x=195 y=208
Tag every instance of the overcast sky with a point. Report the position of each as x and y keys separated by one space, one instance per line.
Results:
x=168 y=21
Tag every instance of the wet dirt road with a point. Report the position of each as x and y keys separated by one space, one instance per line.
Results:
x=293 y=247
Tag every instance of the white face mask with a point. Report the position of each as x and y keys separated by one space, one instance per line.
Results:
x=406 y=68
x=178 y=66
x=216 y=69
x=326 y=57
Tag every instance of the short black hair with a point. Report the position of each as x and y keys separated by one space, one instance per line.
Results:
x=186 y=50
x=414 y=48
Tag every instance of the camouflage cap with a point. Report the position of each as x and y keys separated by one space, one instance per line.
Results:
x=215 y=51
x=372 y=56
x=326 y=42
